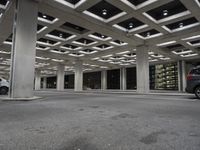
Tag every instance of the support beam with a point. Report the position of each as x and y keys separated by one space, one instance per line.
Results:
x=142 y=63
x=23 y=50
x=37 y=80
x=181 y=76
x=60 y=77
x=103 y=80
x=78 y=76
x=123 y=79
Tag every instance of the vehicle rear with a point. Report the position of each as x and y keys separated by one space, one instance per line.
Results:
x=193 y=82
x=4 y=86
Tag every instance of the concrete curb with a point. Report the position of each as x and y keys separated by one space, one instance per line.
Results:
x=20 y=99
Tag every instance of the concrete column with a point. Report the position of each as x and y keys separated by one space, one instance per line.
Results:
x=123 y=78
x=78 y=76
x=103 y=80
x=44 y=82
x=142 y=65
x=23 y=49
x=60 y=77
x=181 y=76
x=37 y=80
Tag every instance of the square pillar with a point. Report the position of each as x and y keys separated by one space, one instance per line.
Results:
x=23 y=49
x=37 y=79
x=78 y=76
x=122 y=78
x=181 y=75
x=44 y=82
x=103 y=80
x=60 y=77
x=142 y=65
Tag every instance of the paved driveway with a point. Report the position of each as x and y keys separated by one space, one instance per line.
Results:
x=95 y=121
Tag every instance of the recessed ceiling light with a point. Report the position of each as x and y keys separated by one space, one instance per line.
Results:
x=165 y=12
x=131 y=25
x=180 y=25
x=104 y=12
x=148 y=34
x=44 y=16
x=61 y=35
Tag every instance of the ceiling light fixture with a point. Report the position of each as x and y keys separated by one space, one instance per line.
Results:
x=131 y=25
x=180 y=25
x=165 y=12
x=60 y=35
x=104 y=12
x=44 y=16
x=148 y=34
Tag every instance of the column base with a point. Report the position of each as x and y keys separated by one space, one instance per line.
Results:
x=142 y=92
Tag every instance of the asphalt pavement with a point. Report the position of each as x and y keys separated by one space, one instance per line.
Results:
x=100 y=121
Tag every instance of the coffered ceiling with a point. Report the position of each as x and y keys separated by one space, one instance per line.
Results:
x=105 y=33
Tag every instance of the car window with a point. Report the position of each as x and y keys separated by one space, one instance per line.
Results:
x=195 y=71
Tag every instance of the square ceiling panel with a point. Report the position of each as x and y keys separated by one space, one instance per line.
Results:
x=9 y=40
x=69 y=46
x=73 y=1
x=103 y=47
x=173 y=8
x=194 y=43
x=41 y=47
x=45 y=16
x=148 y=34
x=76 y=54
x=104 y=11
x=47 y=42
x=99 y=36
x=137 y=2
x=175 y=46
x=74 y=28
x=131 y=24
x=40 y=28
x=60 y=34
x=3 y=4
x=58 y=51
x=181 y=25
x=84 y=42
x=88 y=51
x=118 y=43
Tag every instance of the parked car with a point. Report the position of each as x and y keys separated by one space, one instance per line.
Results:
x=193 y=82
x=4 y=86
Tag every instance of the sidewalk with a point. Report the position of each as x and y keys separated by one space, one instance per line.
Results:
x=129 y=92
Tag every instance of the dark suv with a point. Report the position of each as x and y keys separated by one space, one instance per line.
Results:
x=193 y=82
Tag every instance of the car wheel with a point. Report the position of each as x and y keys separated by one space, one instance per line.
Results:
x=3 y=90
x=197 y=92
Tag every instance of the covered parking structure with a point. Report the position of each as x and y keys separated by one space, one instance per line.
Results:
x=151 y=43
x=108 y=74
